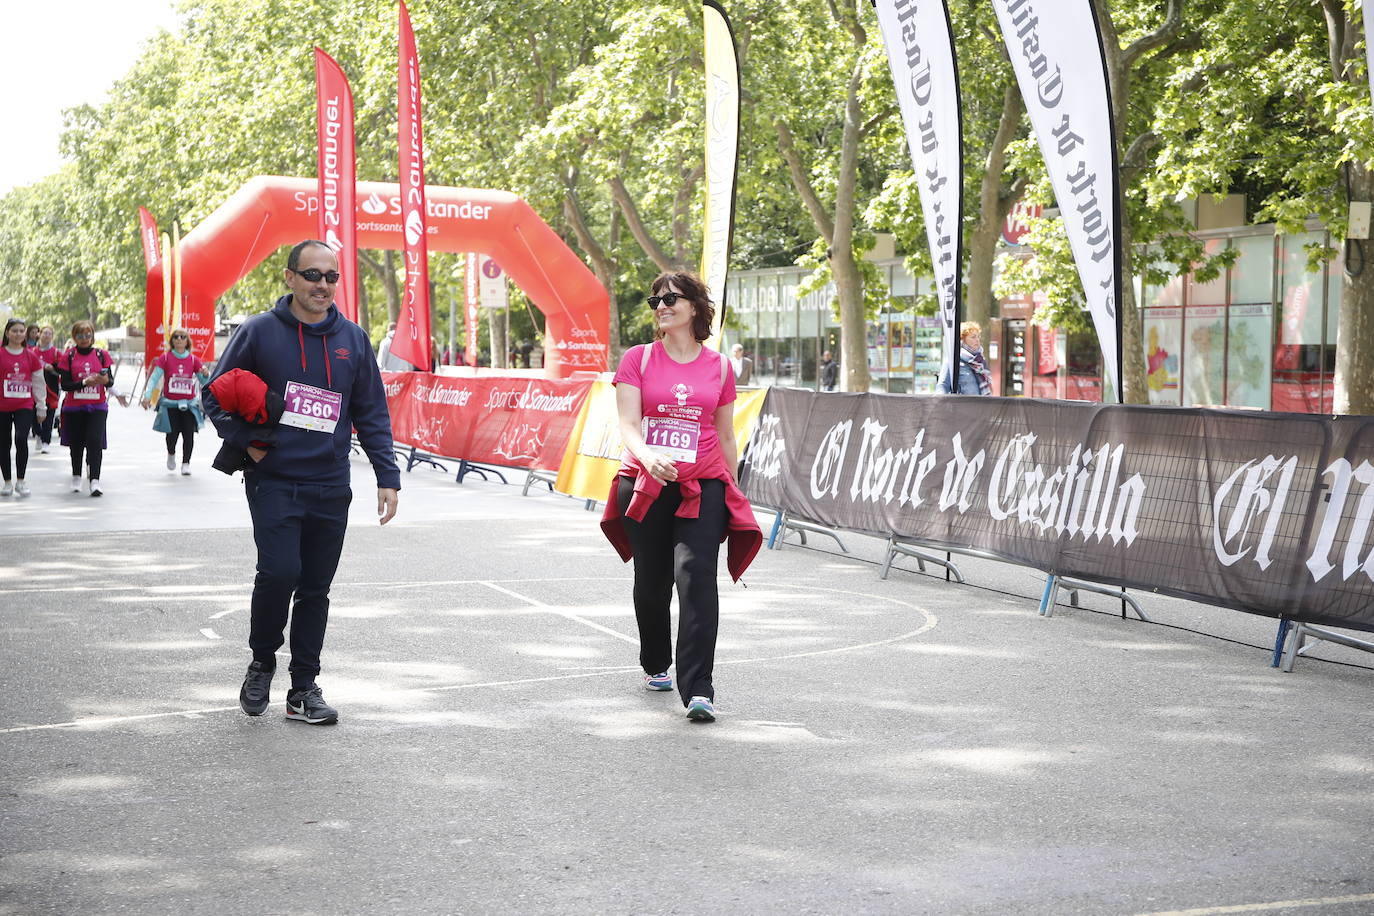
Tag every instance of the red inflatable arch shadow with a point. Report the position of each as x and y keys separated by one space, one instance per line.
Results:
x=269 y=212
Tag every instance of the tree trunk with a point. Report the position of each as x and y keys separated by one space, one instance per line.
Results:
x=843 y=266
x=640 y=232
x=1354 y=381
x=1132 y=342
x=390 y=285
x=994 y=203
x=497 y=322
x=385 y=272
x=364 y=320
x=602 y=264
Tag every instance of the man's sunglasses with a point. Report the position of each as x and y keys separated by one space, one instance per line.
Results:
x=668 y=299
x=311 y=275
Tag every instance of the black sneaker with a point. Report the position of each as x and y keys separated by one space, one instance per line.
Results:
x=257 y=683
x=308 y=706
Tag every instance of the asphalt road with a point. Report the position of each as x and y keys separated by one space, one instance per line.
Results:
x=899 y=746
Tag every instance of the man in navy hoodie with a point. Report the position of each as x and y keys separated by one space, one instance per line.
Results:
x=298 y=479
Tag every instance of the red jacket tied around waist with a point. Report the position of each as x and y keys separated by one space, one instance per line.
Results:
x=741 y=528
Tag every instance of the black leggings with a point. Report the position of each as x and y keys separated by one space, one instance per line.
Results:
x=85 y=432
x=43 y=428
x=183 y=423
x=14 y=431
x=669 y=550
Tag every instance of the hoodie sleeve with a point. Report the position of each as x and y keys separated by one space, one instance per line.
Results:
x=232 y=428
x=372 y=420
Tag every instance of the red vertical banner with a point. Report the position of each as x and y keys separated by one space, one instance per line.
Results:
x=473 y=315
x=412 y=324
x=337 y=170
x=153 y=339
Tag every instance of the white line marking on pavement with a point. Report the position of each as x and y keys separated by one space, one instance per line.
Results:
x=534 y=602
x=209 y=633
x=930 y=622
x=218 y=615
x=1259 y=907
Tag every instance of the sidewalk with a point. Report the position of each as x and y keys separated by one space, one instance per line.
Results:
x=899 y=746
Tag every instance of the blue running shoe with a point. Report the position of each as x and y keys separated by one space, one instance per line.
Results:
x=701 y=710
x=662 y=681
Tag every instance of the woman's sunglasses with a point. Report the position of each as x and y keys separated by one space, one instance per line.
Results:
x=668 y=299
x=312 y=275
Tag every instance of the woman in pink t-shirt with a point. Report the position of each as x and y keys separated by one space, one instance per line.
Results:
x=86 y=371
x=675 y=498
x=177 y=376
x=21 y=394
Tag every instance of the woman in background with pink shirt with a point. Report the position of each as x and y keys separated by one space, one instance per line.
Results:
x=175 y=375
x=23 y=393
x=86 y=372
x=675 y=499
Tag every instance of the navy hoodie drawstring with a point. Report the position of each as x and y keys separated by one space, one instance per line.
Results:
x=328 y=370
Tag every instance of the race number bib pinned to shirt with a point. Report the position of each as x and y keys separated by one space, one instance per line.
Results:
x=184 y=385
x=18 y=387
x=308 y=407
x=89 y=393
x=672 y=437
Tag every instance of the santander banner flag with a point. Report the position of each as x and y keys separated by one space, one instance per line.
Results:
x=920 y=53
x=412 y=324
x=337 y=177
x=1057 y=54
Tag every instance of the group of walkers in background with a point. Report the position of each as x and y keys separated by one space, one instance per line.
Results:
x=34 y=372
x=38 y=377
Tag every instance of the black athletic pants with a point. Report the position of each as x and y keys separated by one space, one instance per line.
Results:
x=14 y=431
x=299 y=530
x=183 y=423
x=672 y=551
x=43 y=428
x=84 y=431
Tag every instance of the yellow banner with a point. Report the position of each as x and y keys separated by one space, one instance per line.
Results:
x=595 y=447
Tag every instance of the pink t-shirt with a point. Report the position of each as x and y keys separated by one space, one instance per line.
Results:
x=178 y=375
x=16 y=378
x=678 y=400
x=91 y=397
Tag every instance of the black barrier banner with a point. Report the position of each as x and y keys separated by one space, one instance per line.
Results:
x=1263 y=512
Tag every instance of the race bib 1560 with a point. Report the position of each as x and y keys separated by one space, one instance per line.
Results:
x=308 y=407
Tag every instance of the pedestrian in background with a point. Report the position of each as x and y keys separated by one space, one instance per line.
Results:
x=86 y=373
x=674 y=498
x=48 y=353
x=830 y=372
x=974 y=377
x=743 y=365
x=22 y=393
x=176 y=374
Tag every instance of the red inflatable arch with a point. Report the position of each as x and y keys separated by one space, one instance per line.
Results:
x=269 y=212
